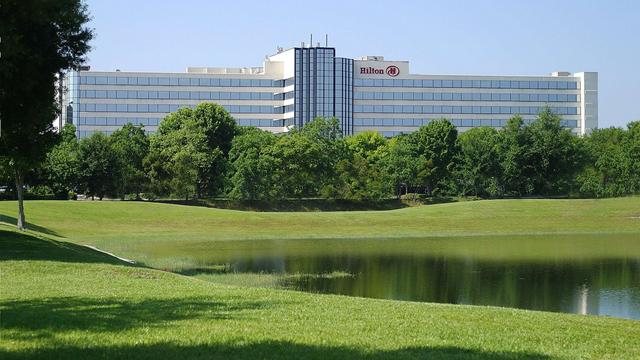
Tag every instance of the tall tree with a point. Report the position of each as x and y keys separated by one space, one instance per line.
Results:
x=188 y=155
x=634 y=153
x=99 y=166
x=514 y=163
x=609 y=170
x=131 y=145
x=401 y=165
x=61 y=166
x=39 y=40
x=359 y=174
x=478 y=166
x=554 y=154
x=437 y=148
x=252 y=174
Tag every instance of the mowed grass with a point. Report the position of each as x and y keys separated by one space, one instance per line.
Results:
x=169 y=236
x=142 y=221
x=60 y=301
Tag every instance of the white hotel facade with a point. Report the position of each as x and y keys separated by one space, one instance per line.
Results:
x=297 y=85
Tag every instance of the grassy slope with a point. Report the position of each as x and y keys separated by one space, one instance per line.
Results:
x=152 y=221
x=141 y=230
x=62 y=301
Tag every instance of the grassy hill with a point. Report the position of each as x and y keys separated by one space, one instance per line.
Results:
x=142 y=221
x=62 y=300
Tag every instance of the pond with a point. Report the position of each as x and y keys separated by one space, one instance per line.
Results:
x=584 y=274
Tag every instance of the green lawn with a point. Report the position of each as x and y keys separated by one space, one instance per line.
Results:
x=138 y=221
x=61 y=300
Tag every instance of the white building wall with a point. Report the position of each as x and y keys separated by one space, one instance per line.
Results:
x=371 y=75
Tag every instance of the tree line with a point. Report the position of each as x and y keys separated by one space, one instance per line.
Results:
x=200 y=153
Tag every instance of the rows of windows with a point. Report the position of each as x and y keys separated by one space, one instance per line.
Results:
x=167 y=108
x=464 y=96
x=177 y=81
x=445 y=109
x=87 y=133
x=119 y=121
x=259 y=122
x=181 y=95
x=314 y=83
x=456 y=122
x=479 y=84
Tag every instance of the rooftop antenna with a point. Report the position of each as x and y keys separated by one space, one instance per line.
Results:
x=311 y=40
x=326 y=40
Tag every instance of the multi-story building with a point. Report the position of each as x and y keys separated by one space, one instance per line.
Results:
x=294 y=86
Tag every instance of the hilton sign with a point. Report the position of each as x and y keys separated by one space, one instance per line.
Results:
x=390 y=70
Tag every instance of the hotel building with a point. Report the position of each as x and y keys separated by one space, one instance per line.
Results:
x=295 y=86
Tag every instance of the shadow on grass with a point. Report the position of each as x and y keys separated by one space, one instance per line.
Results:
x=55 y=316
x=295 y=205
x=13 y=221
x=24 y=246
x=263 y=350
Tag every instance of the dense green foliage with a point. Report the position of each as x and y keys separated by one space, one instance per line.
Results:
x=188 y=155
x=200 y=153
x=39 y=40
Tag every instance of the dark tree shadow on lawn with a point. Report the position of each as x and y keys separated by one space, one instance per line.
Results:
x=46 y=322
x=47 y=317
x=265 y=350
x=13 y=221
x=24 y=246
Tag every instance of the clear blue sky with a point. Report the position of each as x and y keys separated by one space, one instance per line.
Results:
x=510 y=37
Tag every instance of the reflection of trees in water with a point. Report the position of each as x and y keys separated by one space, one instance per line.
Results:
x=553 y=286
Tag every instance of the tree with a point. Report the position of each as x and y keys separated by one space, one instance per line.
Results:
x=252 y=173
x=300 y=165
x=514 y=163
x=634 y=153
x=609 y=172
x=131 y=145
x=61 y=165
x=436 y=150
x=553 y=153
x=400 y=165
x=478 y=167
x=188 y=155
x=368 y=144
x=359 y=175
x=99 y=166
x=39 y=40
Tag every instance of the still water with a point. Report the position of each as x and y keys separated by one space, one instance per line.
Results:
x=575 y=274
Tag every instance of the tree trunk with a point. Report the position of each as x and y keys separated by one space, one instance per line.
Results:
x=19 y=190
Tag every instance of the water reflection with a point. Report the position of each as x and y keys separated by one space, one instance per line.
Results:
x=588 y=286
